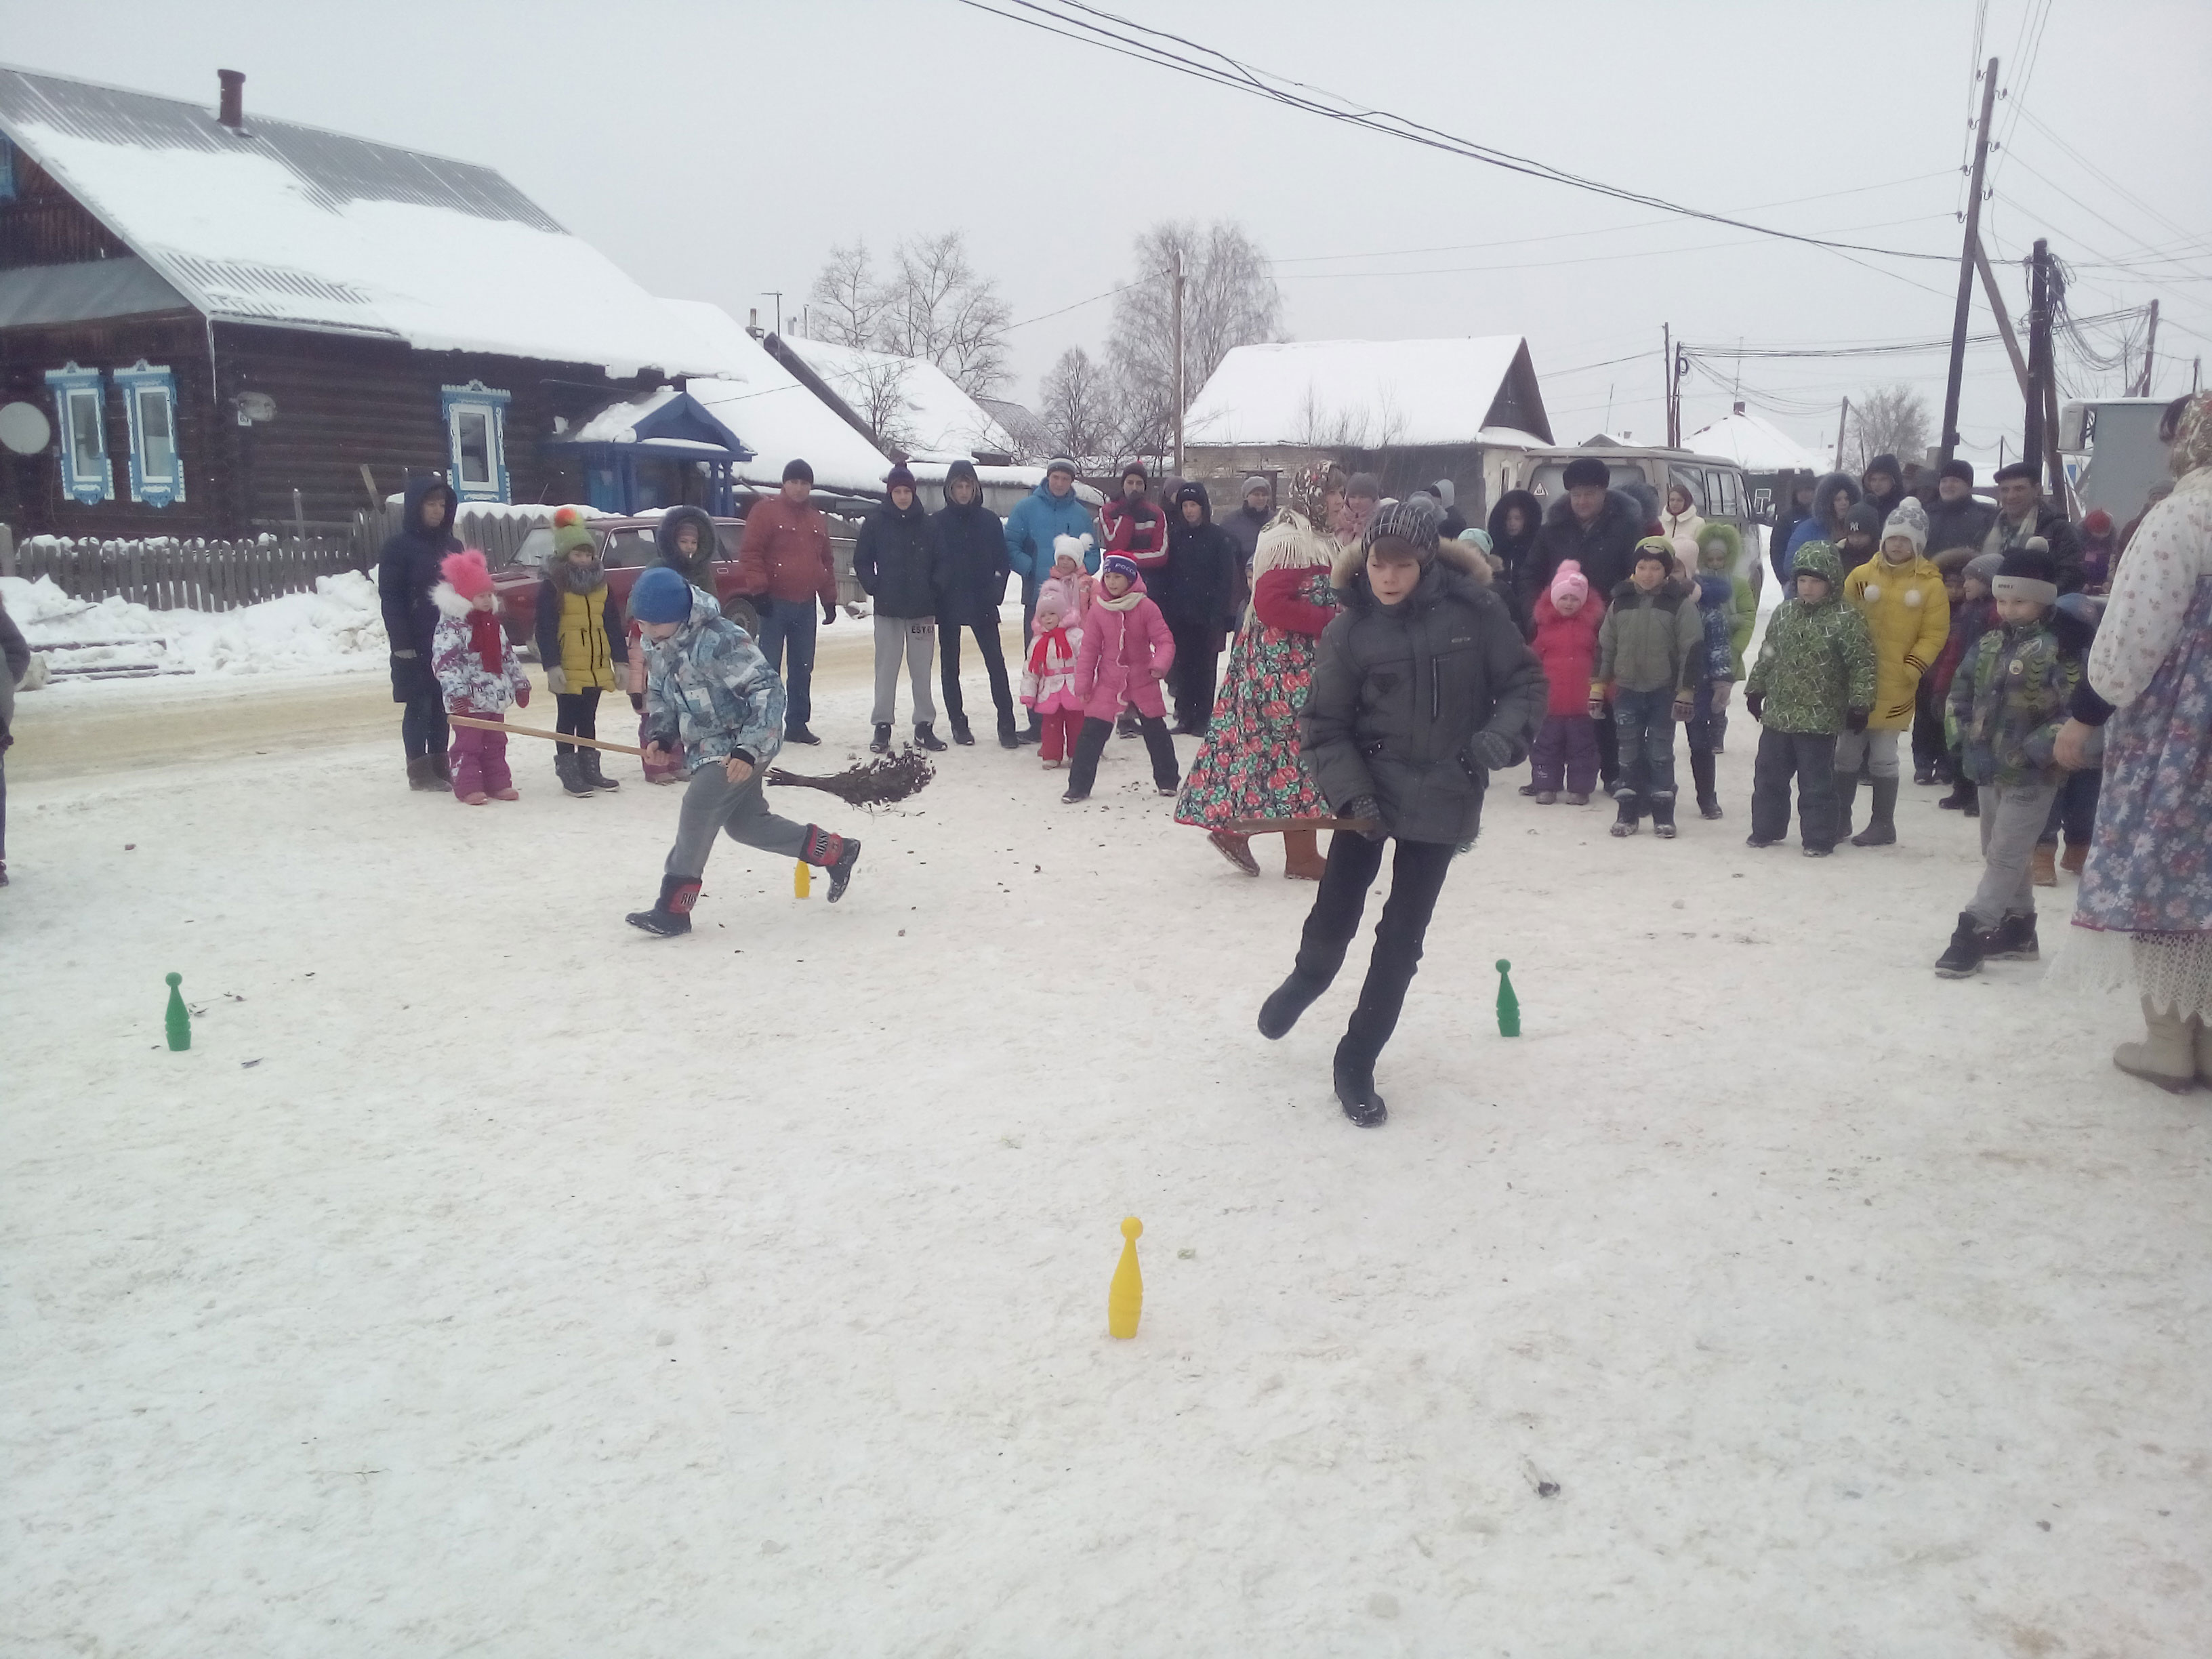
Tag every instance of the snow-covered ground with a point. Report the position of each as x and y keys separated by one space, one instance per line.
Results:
x=490 y=1277
x=336 y=629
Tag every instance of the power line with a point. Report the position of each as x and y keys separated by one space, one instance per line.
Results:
x=1232 y=73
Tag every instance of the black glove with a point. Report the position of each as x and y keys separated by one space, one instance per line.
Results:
x=1855 y=719
x=1754 y=702
x=829 y=613
x=1367 y=807
x=1492 y=751
x=637 y=702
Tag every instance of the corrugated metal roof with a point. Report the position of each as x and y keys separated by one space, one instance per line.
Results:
x=332 y=168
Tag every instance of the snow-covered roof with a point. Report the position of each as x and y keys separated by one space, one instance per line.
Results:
x=944 y=423
x=776 y=417
x=1365 y=393
x=294 y=227
x=1756 y=445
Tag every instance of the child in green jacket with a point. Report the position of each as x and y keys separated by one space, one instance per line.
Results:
x=1814 y=678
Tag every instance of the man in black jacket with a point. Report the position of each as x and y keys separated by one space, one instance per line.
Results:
x=1598 y=528
x=1197 y=596
x=1422 y=687
x=2022 y=512
x=972 y=568
x=1957 y=518
x=406 y=571
x=895 y=560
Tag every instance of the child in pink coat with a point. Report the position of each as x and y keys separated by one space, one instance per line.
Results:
x=1048 y=683
x=1565 y=749
x=479 y=674
x=1126 y=652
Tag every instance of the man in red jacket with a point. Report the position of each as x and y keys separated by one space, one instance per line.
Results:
x=1132 y=525
x=784 y=566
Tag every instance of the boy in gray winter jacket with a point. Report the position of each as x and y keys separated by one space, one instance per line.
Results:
x=710 y=694
x=1650 y=650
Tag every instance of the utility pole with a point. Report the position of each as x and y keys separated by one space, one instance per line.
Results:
x=775 y=294
x=1667 y=367
x=2150 y=351
x=1950 y=434
x=2039 y=351
x=1842 y=421
x=1178 y=362
x=2004 y=319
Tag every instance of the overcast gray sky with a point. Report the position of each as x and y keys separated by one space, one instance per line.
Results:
x=716 y=151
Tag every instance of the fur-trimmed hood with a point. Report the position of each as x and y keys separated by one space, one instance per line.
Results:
x=1824 y=495
x=450 y=603
x=1459 y=566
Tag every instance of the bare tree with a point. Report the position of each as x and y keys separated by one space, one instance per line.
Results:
x=874 y=388
x=1890 y=420
x=939 y=308
x=1229 y=298
x=1075 y=405
x=850 y=300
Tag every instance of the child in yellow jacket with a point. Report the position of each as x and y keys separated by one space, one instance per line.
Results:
x=1907 y=612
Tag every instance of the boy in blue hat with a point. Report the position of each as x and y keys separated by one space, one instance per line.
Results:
x=710 y=694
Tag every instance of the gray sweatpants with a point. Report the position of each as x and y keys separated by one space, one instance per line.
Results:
x=1877 y=749
x=901 y=639
x=713 y=803
x=2012 y=817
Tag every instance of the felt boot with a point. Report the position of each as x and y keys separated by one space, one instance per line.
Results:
x=1238 y=849
x=566 y=768
x=2043 y=867
x=2076 y=855
x=421 y=776
x=1354 y=1076
x=1881 y=828
x=1847 y=792
x=1303 y=859
x=1623 y=822
x=1287 y=1002
x=2167 y=1056
x=1662 y=816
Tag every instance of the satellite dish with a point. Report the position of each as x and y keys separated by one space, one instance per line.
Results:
x=255 y=406
x=24 y=429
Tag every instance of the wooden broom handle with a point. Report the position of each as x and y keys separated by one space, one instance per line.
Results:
x=550 y=737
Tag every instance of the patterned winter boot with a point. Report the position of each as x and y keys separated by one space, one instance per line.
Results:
x=588 y=761
x=672 y=914
x=1624 y=824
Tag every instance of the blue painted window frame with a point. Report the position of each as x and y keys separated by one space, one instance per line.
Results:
x=88 y=480
x=7 y=171
x=150 y=486
x=458 y=403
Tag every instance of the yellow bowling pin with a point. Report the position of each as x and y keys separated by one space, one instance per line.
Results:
x=802 y=880
x=1126 y=1300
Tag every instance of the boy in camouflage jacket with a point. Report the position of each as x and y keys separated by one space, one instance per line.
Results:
x=711 y=697
x=1814 y=677
x=2009 y=699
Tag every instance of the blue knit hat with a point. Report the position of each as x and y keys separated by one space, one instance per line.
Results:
x=660 y=596
x=1120 y=564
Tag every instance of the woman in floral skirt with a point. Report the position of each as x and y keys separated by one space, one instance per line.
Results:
x=1249 y=766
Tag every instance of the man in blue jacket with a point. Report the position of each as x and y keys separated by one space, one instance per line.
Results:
x=1051 y=510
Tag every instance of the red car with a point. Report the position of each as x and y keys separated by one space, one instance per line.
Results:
x=626 y=547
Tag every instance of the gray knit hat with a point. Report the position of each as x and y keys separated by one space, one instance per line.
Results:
x=1060 y=464
x=1413 y=519
x=1256 y=482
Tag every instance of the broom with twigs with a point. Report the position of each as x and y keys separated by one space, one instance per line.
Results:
x=881 y=783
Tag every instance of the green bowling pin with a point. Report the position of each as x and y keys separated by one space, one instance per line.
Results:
x=180 y=1018
x=1509 y=1006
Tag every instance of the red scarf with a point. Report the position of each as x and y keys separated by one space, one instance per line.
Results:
x=1052 y=638
x=486 y=637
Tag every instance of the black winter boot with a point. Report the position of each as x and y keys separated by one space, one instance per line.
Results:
x=571 y=773
x=1662 y=817
x=1624 y=824
x=1961 y=798
x=1881 y=828
x=1701 y=772
x=1034 y=732
x=2012 y=940
x=927 y=738
x=1006 y=737
x=672 y=914
x=441 y=766
x=1287 y=1002
x=1355 y=1087
x=961 y=734
x=421 y=775
x=1963 y=955
x=587 y=761
x=881 y=741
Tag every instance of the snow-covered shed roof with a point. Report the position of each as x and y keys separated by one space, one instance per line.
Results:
x=294 y=227
x=1369 y=393
x=946 y=424
x=776 y=417
x=1756 y=445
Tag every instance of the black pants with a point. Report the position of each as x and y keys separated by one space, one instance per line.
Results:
x=4 y=806
x=994 y=664
x=1193 y=677
x=423 y=728
x=1813 y=759
x=1417 y=876
x=1090 y=744
x=1927 y=746
x=1608 y=750
x=578 y=716
x=2073 y=809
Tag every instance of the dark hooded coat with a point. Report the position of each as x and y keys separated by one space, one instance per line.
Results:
x=895 y=561
x=406 y=571
x=972 y=566
x=1400 y=692
x=1198 y=588
x=1821 y=526
x=699 y=568
x=1514 y=549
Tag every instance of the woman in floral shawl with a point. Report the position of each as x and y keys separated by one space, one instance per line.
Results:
x=1249 y=766
x=2150 y=875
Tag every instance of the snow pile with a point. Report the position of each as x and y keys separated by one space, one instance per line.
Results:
x=337 y=628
